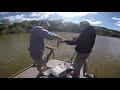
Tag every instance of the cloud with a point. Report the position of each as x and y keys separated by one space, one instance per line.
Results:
x=115 y=18
x=66 y=16
x=118 y=23
x=91 y=19
x=94 y=22
x=17 y=17
x=42 y=15
x=29 y=19
x=3 y=13
x=20 y=17
x=76 y=21
x=74 y=14
x=83 y=19
x=51 y=19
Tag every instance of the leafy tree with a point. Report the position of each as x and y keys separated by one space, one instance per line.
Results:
x=57 y=25
x=4 y=26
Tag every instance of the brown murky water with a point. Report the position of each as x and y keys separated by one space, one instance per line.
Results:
x=104 y=61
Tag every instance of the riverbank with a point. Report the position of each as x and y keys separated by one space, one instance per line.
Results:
x=52 y=31
x=57 y=25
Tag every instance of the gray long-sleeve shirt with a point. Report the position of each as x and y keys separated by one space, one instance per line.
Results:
x=37 y=43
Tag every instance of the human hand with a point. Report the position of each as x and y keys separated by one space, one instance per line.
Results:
x=61 y=40
x=49 y=47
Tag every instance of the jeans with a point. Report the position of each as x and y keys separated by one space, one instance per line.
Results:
x=78 y=62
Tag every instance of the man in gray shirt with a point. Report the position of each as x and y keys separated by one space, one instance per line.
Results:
x=37 y=43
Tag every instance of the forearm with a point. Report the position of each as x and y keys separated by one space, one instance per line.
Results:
x=70 y=42
x=56 y=37
x=53 y=36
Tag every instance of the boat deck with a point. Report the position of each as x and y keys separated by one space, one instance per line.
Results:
x=32 y=72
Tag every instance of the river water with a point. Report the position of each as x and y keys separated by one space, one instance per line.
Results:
x=104 y=61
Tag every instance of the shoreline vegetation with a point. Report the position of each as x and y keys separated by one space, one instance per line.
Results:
x=7 y=27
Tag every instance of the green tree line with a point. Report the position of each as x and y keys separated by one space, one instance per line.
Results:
x=7 y=27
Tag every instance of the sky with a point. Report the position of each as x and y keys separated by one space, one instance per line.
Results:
x=109 y=20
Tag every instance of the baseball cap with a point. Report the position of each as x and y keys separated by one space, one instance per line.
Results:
x=84 y=22
x=45 y=22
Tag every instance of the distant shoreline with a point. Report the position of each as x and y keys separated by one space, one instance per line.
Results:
x=57 y=25
x=51 y=31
